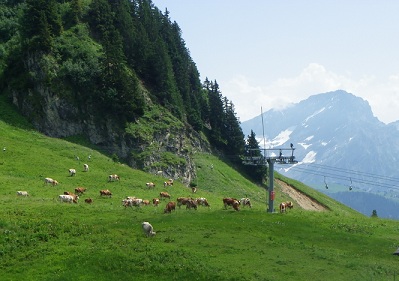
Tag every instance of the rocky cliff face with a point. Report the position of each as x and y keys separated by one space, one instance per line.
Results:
x=167 y=152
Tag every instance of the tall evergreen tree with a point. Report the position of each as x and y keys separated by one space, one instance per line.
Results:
x=257 y=172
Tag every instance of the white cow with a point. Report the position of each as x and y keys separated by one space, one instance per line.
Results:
x=68 y=198
x=51 y=181
x=85 y=167
x=113 y=178
x=148 y=229
x=245 y=202
x=22 y=193
x=72 y=172
x=130 y=202
x=150 y=184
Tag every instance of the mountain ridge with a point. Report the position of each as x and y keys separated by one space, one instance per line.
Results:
x=337 y=140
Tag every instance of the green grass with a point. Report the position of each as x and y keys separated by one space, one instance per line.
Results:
x=43 y=239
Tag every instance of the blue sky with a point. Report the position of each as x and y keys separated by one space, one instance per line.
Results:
x=271 y=54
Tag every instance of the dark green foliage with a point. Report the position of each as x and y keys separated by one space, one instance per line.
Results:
x=101 y=56
x=252 y=149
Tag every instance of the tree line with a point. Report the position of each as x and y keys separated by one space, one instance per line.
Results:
x=99 y=55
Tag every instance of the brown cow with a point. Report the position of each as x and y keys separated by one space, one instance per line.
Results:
x=171 y=206
x=202 y=201
x=182 y=201
x=155 y=201
x=283 y=207
x=231 y=202
x=80 y=190
x=191 y=203
x=169 y=182
x=89 y=200
x=105 y=192
x=164 y=195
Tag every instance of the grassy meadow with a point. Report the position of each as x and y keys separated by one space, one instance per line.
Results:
x=44 y=239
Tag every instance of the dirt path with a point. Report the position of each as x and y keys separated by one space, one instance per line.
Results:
x=301 y=199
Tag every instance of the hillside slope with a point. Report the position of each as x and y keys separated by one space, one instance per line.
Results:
x=42 y=238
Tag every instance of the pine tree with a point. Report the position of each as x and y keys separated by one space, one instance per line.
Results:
x=252 y=149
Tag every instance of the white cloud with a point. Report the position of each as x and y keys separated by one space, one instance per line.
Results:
x=383 y=96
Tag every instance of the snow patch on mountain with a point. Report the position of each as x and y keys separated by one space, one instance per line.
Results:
x=280 y=139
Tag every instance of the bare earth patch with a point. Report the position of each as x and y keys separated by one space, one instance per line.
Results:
x=301 y=199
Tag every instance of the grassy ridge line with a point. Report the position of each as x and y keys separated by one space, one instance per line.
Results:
x=43 y=239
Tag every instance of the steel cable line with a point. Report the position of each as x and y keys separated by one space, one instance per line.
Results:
x=341 y=177
x=356 y=172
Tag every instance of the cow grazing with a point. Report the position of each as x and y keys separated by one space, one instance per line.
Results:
x=194 y=190
x=182 y=201
x=80 y=190
x=68 y=198
x=164 y=195
x=231 y=202
x=289 y=204
x=130 y=202
x=105 y=192
x=113 y=177
x=189 y=202
x=89 y=200
x=85 y=168
x=72 y=172
x=283 y=207
x=22 y=193
x=148 y=229
x=171 y=206
x=50 y=181
x=245 y=202
x=155 y=202
x=202 y=202
x=169 y=182
x=150 y=184
x=146 y=202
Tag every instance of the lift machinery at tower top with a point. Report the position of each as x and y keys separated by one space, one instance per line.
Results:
x=269 y=156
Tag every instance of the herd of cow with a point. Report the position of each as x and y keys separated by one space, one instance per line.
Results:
x=132 y=201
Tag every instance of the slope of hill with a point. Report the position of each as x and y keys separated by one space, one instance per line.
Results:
x=44 y=239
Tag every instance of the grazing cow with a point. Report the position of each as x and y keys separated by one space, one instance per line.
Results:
x=169 y=182
x=191 y=203
x=171 y=206
x=105 y=192
x=113 y=177
x=283 y=207
x=72 y=172
x=164 y=195
x=22 y=193
x=75 y=197
x=150 y=184
x=289 y=204
x=85 y=167
x=202 y=202
x=50 y=181
x=146 y=202
x=231 y=202
x=68 y=198
x=148 y=229
x=130 y=202
x=80 y=190
x=155 y=202
x=245 y=202
x=194 y=190
x=89 y=200
x=182 y=201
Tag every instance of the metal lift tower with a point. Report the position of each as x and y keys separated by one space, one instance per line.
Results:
x=277 y=156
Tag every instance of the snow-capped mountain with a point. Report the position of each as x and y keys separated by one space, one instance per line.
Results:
x=337 y=141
